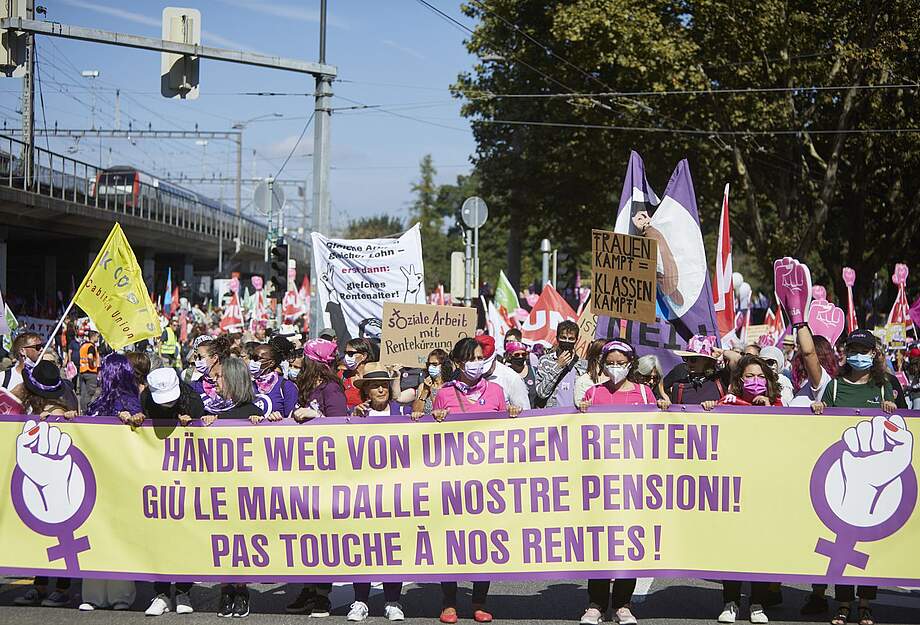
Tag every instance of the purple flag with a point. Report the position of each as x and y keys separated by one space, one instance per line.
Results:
x=914 y=313
x=684 y=293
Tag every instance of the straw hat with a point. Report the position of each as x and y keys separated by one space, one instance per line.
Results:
x=375 y=372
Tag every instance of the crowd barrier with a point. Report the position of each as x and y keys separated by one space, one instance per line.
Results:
x=736 y=493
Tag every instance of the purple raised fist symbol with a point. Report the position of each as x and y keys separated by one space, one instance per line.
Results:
x=792 y=284
x=53 y=488
x=864 y=488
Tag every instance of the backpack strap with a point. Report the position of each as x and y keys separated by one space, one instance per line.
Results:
x=7 y=376
x=644 y=394
x=834 y=391
x=680 y=392
x=720 y=388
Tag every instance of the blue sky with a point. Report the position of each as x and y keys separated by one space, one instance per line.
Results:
x=394 y=53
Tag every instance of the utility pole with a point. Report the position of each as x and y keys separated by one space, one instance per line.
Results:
x=321 y=119
x=28 y=111
x=118 y=109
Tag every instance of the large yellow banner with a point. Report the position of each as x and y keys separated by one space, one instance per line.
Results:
x=735 y=493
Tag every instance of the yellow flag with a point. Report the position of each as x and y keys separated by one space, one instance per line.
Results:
x=114 y=295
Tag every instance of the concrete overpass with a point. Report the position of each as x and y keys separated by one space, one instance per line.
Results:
x=54 y=224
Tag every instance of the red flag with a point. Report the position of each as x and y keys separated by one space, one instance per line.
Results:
x=174 y=303
x=723 y=292
x=232 y=320
x=545 y=315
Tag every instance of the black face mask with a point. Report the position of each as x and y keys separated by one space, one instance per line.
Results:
x=517 y=362
x=566 y=346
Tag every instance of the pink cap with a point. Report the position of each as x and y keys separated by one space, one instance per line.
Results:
x=320 y=350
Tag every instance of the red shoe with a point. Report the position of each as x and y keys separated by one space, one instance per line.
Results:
x=449 y=615
x=481 y=616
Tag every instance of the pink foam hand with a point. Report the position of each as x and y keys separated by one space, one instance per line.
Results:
x=826 y=320
x=257 y=283
x=900 y=274
x=792 y=285
x=849 y=277
x=818 y=292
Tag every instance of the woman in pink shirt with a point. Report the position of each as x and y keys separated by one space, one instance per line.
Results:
x=468 y=391
x=618 y=359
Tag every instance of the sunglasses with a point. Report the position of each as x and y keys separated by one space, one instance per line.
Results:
x=351 y=352
x=39 y=346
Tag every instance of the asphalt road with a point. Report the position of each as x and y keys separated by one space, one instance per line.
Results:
x=670 y=601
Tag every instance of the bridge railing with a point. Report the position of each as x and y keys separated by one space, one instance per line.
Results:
x=69 y=179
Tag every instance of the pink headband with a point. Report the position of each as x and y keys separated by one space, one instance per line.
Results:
x=619 y=346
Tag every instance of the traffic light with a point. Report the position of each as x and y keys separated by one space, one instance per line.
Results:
x=278 y=266
x=13 y=50
x=179 y=72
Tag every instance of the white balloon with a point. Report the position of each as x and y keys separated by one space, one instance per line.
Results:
x=737 y=280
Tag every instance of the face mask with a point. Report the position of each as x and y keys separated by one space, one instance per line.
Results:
x=488 y=364
x=473 y=369
x=566 y=346
x=617 y=373
x=255 y=367
x=517 y=362
x=292 y=373
x=434 y=371
x=29 y=363
x=201 y=366
x=860 y=362
x=755 y=386
x=351 y=362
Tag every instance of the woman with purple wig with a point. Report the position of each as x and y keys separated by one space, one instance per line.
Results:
x=118 y=395
x=118 y=392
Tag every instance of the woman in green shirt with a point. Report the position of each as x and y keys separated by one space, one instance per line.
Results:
x=861 y=383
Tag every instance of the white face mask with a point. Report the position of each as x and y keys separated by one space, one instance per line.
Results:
x=474 y=369
x=351 y=362
x=292 y=373
x=617 y=373
x=29 y=363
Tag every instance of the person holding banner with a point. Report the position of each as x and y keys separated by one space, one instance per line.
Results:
x=618 y=359
x=595 y=370
x=280 y=395
x=210 y=356
x=814 y=364
x=861 y=383
x=700 y=377
x=753 y=384
x=376 y=386
x=516 y=395
x=44 y=393
x=559 y=368
x=320 y=390
x=235 y=389
x=118 y=393
x=438 y=369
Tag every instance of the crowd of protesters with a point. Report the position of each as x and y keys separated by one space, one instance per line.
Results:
x=206 y=378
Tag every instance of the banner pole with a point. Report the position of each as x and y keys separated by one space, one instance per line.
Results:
x=57 y=327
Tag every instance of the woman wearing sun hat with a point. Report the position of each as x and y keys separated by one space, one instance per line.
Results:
x=376 y=388
x=44 y=393
x=700 y=377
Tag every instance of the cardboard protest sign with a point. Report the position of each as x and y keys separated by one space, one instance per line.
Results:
x=411 y=331
x=624 y=275
x=587 y=325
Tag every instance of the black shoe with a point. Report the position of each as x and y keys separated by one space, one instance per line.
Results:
x=773 y=599
x=226 y=604
x=241 y=605
x=304 y=602
x=321 y=607
x=816 y=604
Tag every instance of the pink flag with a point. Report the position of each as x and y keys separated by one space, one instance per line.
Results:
x=849 y=279
x=723 y=292
x=900 y=311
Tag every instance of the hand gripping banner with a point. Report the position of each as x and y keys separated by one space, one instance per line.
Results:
x=551 y=495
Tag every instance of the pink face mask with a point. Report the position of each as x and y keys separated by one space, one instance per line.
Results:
x=755 y=386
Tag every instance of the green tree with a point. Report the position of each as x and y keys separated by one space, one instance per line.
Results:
x=429 y=214
x=374 y=227
x=810 y=175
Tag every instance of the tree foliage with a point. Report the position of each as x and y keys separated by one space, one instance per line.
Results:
x=811 y=174
x=374 y=227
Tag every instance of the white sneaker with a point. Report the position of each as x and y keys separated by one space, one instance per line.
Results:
x=183 y=603
x=358 y=612
x=86 y=607
x=393 y=612
x=758 y=615
x=592 y=616
x=729 y=613
x=626 y=617
x=159 y=606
